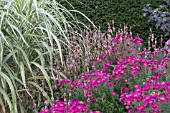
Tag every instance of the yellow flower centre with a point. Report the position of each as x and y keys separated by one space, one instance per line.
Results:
x=61 y=105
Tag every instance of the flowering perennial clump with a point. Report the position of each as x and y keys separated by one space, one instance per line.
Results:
x=73 y=106
x=148 y=98
x=138 y=82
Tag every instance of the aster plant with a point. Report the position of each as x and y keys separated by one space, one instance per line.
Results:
x=112 y=74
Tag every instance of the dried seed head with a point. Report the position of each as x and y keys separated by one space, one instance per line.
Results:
x=150 y=30
x=161 y=40
x=155 y=42
x=149 y=38
x=46 y=102
x=44 y=94
x=109 y=30
x=113 y=26
x=131 y=31
x=52 y=99
x=152 y=37
x=124 y=29
x=119 y=31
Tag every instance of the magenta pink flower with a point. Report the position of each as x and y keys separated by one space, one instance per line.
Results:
x=94 y=112
x=74 y=106
x=131 y=50
x=134 y=72
x=44 y=111
x=110 y=84
x=146 y=87
x=161 y=99
x=136 y=86
x=140 y=108
x=154 y=106
x=113 y=94
x=124 y=89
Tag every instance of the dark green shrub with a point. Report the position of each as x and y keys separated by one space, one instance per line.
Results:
x=122 y=11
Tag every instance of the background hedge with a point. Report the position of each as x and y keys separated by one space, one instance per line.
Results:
x=121 y=11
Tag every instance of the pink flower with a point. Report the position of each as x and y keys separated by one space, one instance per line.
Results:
x=154 y=106
x=147 y=87
x=131 y=50
x=140 y=108
x=137 y=40
x=136 y=86
x=130 y=35
x=134 y=72
x=138 y=90
x=94 y=112
x=125 y=80
x=110 y=84
x=124 y=89
x=161 y=99
x=130 y=111
x=44 y=111
x=113 y=94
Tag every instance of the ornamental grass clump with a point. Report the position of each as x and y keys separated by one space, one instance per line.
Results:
x=32 y=34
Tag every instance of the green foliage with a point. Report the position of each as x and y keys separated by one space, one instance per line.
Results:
x=121 y=11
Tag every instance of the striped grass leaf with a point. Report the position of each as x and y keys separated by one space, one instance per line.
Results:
x=45 y=75
x=6 y=99
x=40 y=89
x=13 y=93
x=22 y=74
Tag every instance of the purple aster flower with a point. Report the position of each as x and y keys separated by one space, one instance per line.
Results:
x=110 y=84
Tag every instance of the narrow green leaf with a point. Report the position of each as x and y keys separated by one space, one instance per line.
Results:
x=22 y=73
x=36 y=7
x=14 y=100
x=6 y=98
x=30 y=6
x=21 y=108
x=56 y=23
x=3 y=37
x=40 y=56
x=59 y=46
x=83 y=16
x=40 y=89
x=19 y=34
x=64 y=76
x=45 y=75
x=26 y=59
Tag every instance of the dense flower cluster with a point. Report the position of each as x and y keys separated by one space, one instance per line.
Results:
x=134 y=65
x=89 y=81
x=149 y=96
x=125 y=44
x=74 y=106
x=139 y=80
